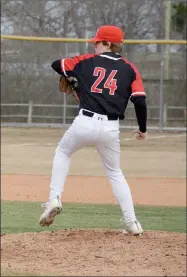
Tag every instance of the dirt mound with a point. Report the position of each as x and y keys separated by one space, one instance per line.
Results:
x=94 y=253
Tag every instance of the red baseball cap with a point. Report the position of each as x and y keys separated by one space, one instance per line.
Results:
x=109 y=33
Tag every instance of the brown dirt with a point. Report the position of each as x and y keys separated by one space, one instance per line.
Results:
x=155 y=173
x=92 y=189
x=95 y=253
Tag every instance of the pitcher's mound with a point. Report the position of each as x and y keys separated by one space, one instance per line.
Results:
x=94 y=253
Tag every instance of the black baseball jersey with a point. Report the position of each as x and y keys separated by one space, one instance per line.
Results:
x=106 y=81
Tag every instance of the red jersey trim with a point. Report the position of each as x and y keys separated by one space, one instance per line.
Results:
x=137 y=85
x=68 y=64
x=63 y=67
x=138 y=93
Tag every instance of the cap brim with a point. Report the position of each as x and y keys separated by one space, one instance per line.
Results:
x=94 y=40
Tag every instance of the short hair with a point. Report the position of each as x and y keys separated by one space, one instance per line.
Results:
x=115 y=47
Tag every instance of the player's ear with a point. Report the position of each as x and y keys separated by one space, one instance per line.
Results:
x=107 y=44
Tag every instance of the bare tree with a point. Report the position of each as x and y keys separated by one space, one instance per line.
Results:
x=139 y=19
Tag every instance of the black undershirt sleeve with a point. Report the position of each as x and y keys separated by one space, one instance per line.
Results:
x=56 y=65
x=141 y=111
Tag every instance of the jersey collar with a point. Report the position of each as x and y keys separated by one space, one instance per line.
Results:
x=111 y=54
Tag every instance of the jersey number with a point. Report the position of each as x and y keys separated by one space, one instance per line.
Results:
x=110 y=82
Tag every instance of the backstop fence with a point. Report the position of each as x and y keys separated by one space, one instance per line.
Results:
x=29 y=87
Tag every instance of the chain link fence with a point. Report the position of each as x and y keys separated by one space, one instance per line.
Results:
x=30 y=93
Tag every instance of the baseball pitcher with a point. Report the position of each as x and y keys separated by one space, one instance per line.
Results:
x=103 y=83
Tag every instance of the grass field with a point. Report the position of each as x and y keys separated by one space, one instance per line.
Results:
x=18 y=217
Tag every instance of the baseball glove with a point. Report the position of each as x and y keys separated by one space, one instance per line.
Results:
x=69 y=85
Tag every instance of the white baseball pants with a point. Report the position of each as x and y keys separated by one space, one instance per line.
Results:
x=104 y=134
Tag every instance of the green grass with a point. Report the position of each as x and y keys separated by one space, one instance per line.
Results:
x=18 y=217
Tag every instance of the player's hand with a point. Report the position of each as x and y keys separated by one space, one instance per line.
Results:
x=139 y=135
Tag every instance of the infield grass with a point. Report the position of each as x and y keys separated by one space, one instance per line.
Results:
x=18 y=217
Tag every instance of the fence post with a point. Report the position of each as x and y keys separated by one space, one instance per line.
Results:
x=161 y=88
x=29 y=119
x=167 y=8
x=64 y=94
x=165 y=114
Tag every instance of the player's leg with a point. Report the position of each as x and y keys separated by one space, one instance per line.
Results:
x=61 y=162
x=110 y=155
x=81 y=133
x=60 y=169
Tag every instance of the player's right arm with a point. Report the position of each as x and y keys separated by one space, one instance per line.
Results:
x=138 y=98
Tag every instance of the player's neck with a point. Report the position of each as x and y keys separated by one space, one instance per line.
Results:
x=106 y=50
